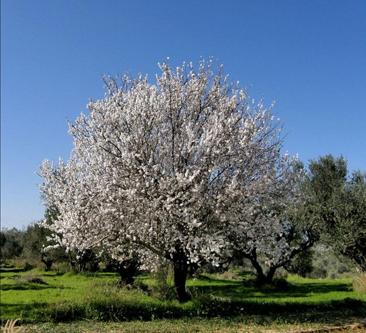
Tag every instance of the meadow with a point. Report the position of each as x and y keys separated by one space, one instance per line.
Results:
x=68 y=302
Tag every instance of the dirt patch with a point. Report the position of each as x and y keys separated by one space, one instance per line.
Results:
x=356 y=328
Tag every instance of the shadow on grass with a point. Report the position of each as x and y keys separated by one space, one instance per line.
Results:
x=11 y=270
x=52 y=273
x=24 y=286
x=246 y=290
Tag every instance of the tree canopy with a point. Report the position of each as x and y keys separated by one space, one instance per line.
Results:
x=159 y=168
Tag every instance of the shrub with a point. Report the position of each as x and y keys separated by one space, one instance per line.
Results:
x=27 y=266
x=62 y=267
x=327 y=263
x=302 y=264
x=64 y=312
x=319 y=273
x=359 y=283
x=163 y=290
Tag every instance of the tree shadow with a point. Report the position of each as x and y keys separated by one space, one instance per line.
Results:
x=12 y=270
x=240 y=290
x=24 y=286
x=52 y=273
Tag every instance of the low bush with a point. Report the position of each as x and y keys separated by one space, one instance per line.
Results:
x=359 y=283
x=32 y=278
x=61 y=267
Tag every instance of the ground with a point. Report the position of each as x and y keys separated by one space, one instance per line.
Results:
x=57 y=302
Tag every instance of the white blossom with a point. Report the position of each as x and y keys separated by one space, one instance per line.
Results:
x=167 y=167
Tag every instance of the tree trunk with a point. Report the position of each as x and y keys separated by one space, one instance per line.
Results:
x=261 y=277
x=270 y=274
x=180 y=277
x=47 y=262
x=127 y=270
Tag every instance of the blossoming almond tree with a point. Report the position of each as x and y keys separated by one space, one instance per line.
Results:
x=156 y=165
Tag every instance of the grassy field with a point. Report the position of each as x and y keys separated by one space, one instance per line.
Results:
x=45 y=301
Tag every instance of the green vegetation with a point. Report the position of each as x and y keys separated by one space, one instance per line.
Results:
x=37 y=296
x=337 y=207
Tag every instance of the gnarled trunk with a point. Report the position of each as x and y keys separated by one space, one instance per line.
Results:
x=270 y=274
x=262 y=278
x=180 y=266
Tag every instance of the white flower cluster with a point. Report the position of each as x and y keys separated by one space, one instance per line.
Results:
x=186 y=165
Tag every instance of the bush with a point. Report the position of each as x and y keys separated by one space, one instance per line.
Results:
x=64 y=312
x=27 y=266
x=163 y=290
x=319 y=273
x=62 y=267
x=139 y=285
x=359 y=283
x=329 y=265
x=302 y=264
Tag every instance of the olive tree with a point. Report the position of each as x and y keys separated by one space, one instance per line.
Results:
x=337 y=203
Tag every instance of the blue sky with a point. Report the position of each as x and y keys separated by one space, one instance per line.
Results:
x=308 y=56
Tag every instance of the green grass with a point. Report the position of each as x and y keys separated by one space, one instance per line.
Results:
x=71 y=297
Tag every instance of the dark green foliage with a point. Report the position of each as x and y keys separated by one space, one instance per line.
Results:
x=34 y=246
x=327 y=263
x=327 y=176
x=27 y=266
x=34 y=240
x=2 y=239
x=302 y=264
x=351 y=223
x=337 y=206
x=11 y=243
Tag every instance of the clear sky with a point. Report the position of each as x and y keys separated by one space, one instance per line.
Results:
x=308 y=56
